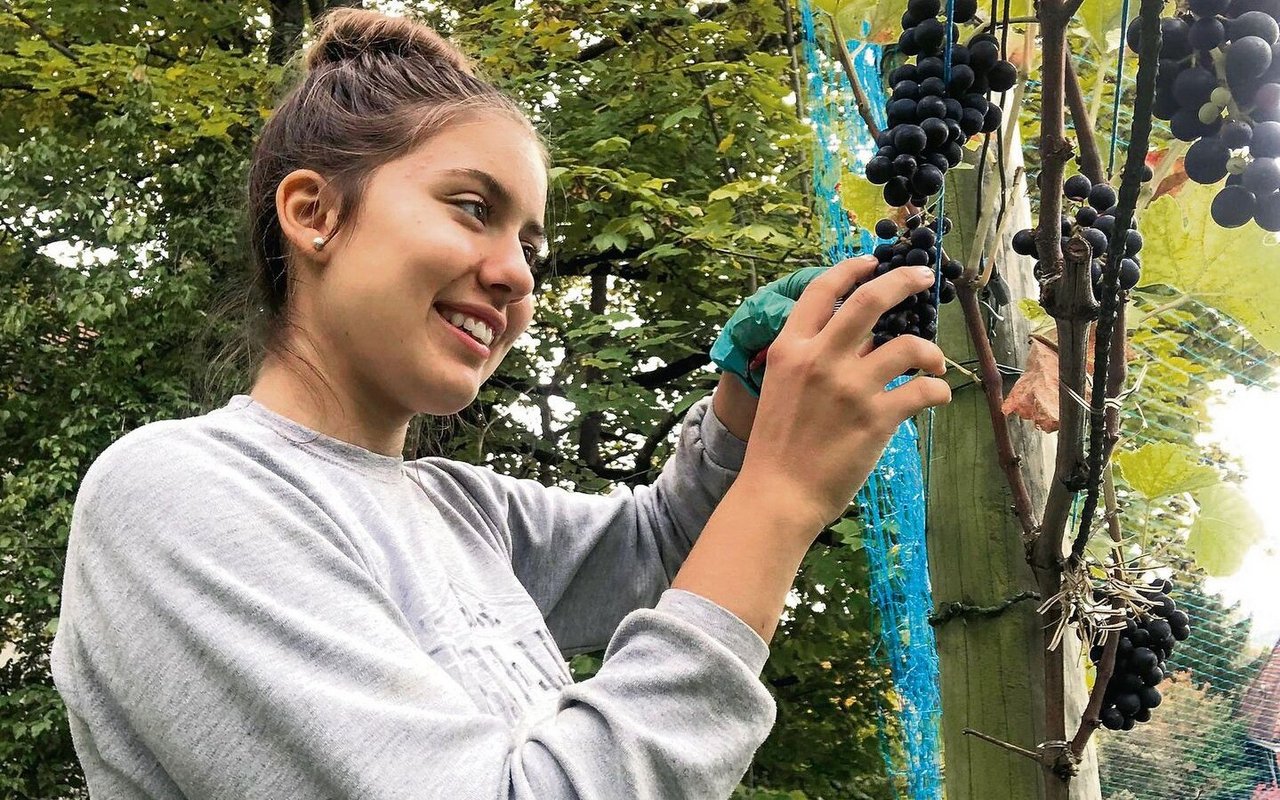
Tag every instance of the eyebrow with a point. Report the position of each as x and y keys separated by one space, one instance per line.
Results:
x=499 y=191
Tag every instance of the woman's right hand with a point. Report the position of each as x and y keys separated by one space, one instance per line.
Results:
x=824 y=416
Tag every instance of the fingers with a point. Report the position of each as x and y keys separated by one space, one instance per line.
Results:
x=855 y=319
x=813 y=310
x=917 y=394
x=903 y=354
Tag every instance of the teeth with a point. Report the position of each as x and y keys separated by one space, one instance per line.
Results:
x=478 y=330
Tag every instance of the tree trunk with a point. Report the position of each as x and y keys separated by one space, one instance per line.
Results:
x=992 y=661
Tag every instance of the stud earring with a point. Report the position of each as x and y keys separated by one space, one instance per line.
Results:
x=318 y=243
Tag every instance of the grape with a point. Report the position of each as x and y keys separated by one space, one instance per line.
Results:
x=1102 y=196
x=971 y=121
x=965 y=10
x=930 y=106
x=924 y=8
x=1247 y=58
x=1206 y=161
x=1209 y=112
x=1267 y=215
x=962 y=78
x=983 y=55
x=1235 y=135
x=1086 y=215
x=1238 y=7
x=1232 y=207
x=879 y=170
x=1262 y=177
x=904 y=90
x=1130 y=273
x=935 y=131
x=906 y=72
x=1220 y=97
x=1105 y=223
x=887 y=229
x=1186 y=125
x=1255 y=23
x=1132 y=243
x=907 y=43
x=930 y=34
x=1097 y=240
x=1206 y=33
x=1209 y=8
x=1002 y=76
x=910 y=139
x=1193 y=87
x=927 y=180
x=1077 y=187
x=1165 y=106
x=1024 y=243
x=1267 y=96
x=1266 y=140
x=1174 y=42
x=905 y=165
x=897 y=192
x=992 y=120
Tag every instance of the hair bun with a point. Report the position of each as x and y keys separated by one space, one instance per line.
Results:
x=351 y=34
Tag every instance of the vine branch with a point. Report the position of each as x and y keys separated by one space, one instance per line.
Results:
x=1112 y=300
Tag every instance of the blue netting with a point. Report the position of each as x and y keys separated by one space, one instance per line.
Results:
x=893 y=501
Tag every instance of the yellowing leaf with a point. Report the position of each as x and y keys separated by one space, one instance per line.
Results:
x=1226 y=269
x=725 y=143
x=863 y=198
x=1034 y=312
x=1224 y=531
x=1160 y=469
x=1101 y=20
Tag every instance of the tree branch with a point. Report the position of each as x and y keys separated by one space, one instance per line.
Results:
x=627 y=34
x=42 y=33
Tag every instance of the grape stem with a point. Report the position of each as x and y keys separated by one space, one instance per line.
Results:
x=992 y=388
x=1090 y=158
x=859 y=95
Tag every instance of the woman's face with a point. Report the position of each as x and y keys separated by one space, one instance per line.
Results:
x=448 y=227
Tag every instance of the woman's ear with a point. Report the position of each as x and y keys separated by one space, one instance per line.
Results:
x=305 y=208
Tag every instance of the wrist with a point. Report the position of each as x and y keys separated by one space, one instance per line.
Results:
x=734 y=406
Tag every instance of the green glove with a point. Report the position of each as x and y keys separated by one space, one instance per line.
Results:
x=755 y=325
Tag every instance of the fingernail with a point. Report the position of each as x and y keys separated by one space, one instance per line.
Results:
x=925 y=271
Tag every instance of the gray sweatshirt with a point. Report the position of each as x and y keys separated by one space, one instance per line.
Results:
x=253 y=609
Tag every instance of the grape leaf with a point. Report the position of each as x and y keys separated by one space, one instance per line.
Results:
x=1160 y=469
x=1102 y=22
x=1225 y=529
x=1219 y=267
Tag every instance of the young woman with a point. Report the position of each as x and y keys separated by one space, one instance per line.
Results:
x=268 y=601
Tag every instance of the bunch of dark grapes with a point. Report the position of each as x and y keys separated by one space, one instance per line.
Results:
x=1219 y=86
x=916 y=245
x=932 y=113
x=1094 y=219
x=1145 y=645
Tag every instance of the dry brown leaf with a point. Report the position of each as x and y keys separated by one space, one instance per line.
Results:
x=1035 y=396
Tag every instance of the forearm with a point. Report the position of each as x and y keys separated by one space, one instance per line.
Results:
x=734 y=406
x=748 y=554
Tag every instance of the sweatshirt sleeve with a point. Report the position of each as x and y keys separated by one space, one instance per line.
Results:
x=231 y=630
x=590 y=559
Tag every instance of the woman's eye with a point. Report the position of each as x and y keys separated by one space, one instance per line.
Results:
x=480 y=204
x=532 y=255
